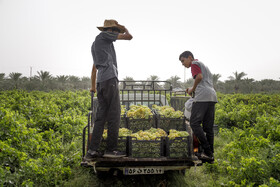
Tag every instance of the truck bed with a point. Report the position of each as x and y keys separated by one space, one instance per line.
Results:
x=143 y=92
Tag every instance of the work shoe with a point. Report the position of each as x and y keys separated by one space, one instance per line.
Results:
x=114 y=154
x=203 y=156
x=91 y=155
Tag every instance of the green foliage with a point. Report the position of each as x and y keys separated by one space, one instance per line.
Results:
x=251 y=155
x=40 y=135
x=40 y=142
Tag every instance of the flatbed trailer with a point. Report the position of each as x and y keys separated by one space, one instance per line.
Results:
x=138 y=166
x=149 y=93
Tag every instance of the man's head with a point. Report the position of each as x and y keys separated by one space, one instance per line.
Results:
x=112 y=25
x=112 y=29
x=186 y=58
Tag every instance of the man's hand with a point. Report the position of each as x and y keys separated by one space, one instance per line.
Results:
x=190 y=91
x=125 y=36
x=93 y=90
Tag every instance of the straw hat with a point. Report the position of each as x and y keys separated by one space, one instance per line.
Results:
x=112 y=23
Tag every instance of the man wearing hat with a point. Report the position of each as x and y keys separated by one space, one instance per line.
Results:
x=105 y=62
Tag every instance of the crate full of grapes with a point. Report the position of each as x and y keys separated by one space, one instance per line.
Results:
x=140 y=117
x=147 y=144
x=122 y=140
x=177 y=144
x=167 y=118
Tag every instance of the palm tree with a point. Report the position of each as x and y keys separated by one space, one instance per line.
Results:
x=74 y=80
x=62 y=81
x=247 y=86
x=237 y=78
x=2 y=76
x=188 y=83
x=127 y=83
x=155 y=78
x=128 y=78
x=174 y=80
x=62 y=78
x=216 y=80
x=44 y=77
x=86 y=82
x=15 y=77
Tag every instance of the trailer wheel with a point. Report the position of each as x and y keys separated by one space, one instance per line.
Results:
x=181 y=172
x=107 y=178
x=101 y=174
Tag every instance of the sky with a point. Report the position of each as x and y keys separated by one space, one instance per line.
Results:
x=226 y=35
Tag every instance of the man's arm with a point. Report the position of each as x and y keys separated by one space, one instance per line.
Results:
x=93 y=79
x=197 y=80
x=125 y=36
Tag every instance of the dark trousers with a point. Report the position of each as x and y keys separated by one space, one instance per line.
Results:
x=203 y=113
x=109 y=111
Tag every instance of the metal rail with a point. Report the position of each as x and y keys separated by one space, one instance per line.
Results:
x=144 y=91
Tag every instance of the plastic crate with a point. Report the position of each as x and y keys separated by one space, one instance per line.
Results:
x=178 y=147
x=141 y=124
x=122 y=145
x=170 y=123
x=146 y=148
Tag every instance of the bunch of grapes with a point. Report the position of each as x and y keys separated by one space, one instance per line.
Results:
x=174 y=134
x=123 y=132
x=150 y=134
x=139 y=112
x=123 y=110
x=168 y=111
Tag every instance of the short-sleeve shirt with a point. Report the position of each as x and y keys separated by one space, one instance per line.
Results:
x=104 y=56
x=195 y=69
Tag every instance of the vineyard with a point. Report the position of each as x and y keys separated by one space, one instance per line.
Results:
x=41 y=142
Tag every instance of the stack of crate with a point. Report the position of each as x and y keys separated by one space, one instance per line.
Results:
x=161 y=146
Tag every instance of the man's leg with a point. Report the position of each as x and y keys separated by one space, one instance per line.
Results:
x=100 y=119
x=114 y=113
x=197 y=115
x=208 y=123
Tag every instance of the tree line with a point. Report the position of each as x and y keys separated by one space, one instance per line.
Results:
x=44 y=81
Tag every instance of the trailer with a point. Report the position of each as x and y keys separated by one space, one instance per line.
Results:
x=162 y=155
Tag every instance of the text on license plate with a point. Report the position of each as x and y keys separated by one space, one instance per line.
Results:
x=143 y=171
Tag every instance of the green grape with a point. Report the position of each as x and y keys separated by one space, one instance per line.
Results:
x=105 y=134
x=123 y=132
x=168 y=111
x=150 y=134
x=139 y=112
x=123 y=110
x=174 y=134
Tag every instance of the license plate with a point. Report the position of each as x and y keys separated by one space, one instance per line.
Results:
x=143 y=171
